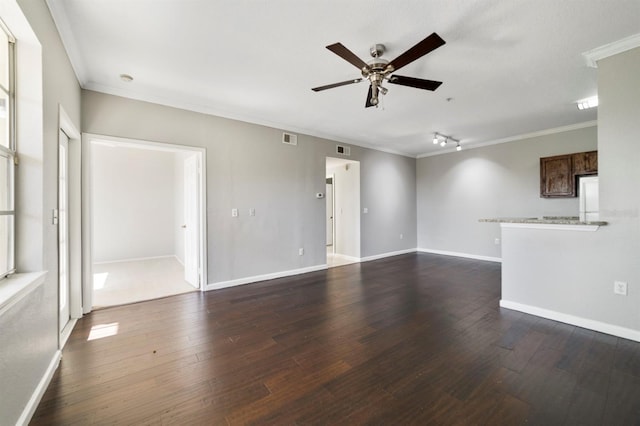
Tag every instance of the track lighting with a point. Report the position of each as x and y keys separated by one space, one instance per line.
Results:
x=443 y=140
x=588 y=103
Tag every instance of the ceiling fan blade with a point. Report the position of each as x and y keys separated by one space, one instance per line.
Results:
x=342 y=83
x=347 y=55
x=369 y=95
x=418 y=83
x=430 y=43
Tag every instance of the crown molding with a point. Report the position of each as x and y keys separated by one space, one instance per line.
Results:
x=174 y=102
x=59 y=16
x=552 y=131
x=594 y=55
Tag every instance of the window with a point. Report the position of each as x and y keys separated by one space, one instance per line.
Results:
x=7 y=151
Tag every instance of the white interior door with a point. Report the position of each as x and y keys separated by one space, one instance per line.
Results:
x=63 y=230
x=329 y=198
x=191 y=226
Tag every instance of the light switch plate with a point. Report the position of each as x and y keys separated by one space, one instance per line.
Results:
x=620 y=287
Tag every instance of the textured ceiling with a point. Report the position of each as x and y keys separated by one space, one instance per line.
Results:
x=509 y=67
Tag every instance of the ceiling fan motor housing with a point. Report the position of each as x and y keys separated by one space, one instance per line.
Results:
x=377 y=50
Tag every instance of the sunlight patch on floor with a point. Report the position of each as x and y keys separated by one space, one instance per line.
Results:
x=101 y=331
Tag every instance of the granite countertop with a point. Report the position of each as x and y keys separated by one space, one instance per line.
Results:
x=545 y=220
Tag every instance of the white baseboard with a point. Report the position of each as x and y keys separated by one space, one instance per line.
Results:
x=66 y=332
x=256 y=278
x=602 y=327
x=136 y=259
x=345 y=257
x=457 y=254
x=36 y=397
x=388 y=254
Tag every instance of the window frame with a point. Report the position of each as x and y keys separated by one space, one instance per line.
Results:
x=10 y=153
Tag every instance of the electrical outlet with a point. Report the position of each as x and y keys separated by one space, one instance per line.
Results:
x=252 y=212
x=301 y=251
x=401 y=236
x=234 y=212
x=620 y=287
x=496 y=241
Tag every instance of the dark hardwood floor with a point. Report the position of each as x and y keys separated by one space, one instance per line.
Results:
x=412 y=339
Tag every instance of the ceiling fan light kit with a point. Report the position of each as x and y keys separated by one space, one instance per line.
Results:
x=377 y=70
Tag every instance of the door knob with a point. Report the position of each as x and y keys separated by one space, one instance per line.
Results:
x=183 y=226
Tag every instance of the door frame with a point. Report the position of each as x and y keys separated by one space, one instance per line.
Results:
x=88 y=140
x=75 y=223
x=332 y=176
x=354 y=214
x=188 y=215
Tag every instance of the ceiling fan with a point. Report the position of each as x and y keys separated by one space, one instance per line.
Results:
x=378 y=69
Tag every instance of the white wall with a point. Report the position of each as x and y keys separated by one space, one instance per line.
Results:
x=134 y=202
x=455 y=190
x=346 y=189
x=248 y=166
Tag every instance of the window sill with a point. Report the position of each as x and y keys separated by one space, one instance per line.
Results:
x=17 y=286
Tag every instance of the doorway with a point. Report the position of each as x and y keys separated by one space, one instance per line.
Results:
x=342 y=211
x=147 y=220
x=330 y=214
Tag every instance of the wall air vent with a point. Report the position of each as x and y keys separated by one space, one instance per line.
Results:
x=343 y=150
x=290 y=139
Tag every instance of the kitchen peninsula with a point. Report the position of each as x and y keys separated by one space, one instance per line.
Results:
x=555 y=222
x=544 y=271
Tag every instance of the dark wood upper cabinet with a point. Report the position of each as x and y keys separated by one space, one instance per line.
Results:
x=585 y=163
x=558 y=174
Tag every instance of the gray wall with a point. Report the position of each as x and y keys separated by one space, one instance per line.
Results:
x=456 y=189
x=388 y=191
x=249 y=167
x=29 y=337
x=573 y=272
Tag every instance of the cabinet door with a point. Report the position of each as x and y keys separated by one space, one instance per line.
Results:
x=557 y=177
x=585 y=163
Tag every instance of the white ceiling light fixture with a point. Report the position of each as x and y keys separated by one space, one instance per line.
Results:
x=591 y=102
x=443 y=140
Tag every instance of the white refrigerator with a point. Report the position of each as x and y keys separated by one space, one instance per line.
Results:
x=589 y=198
